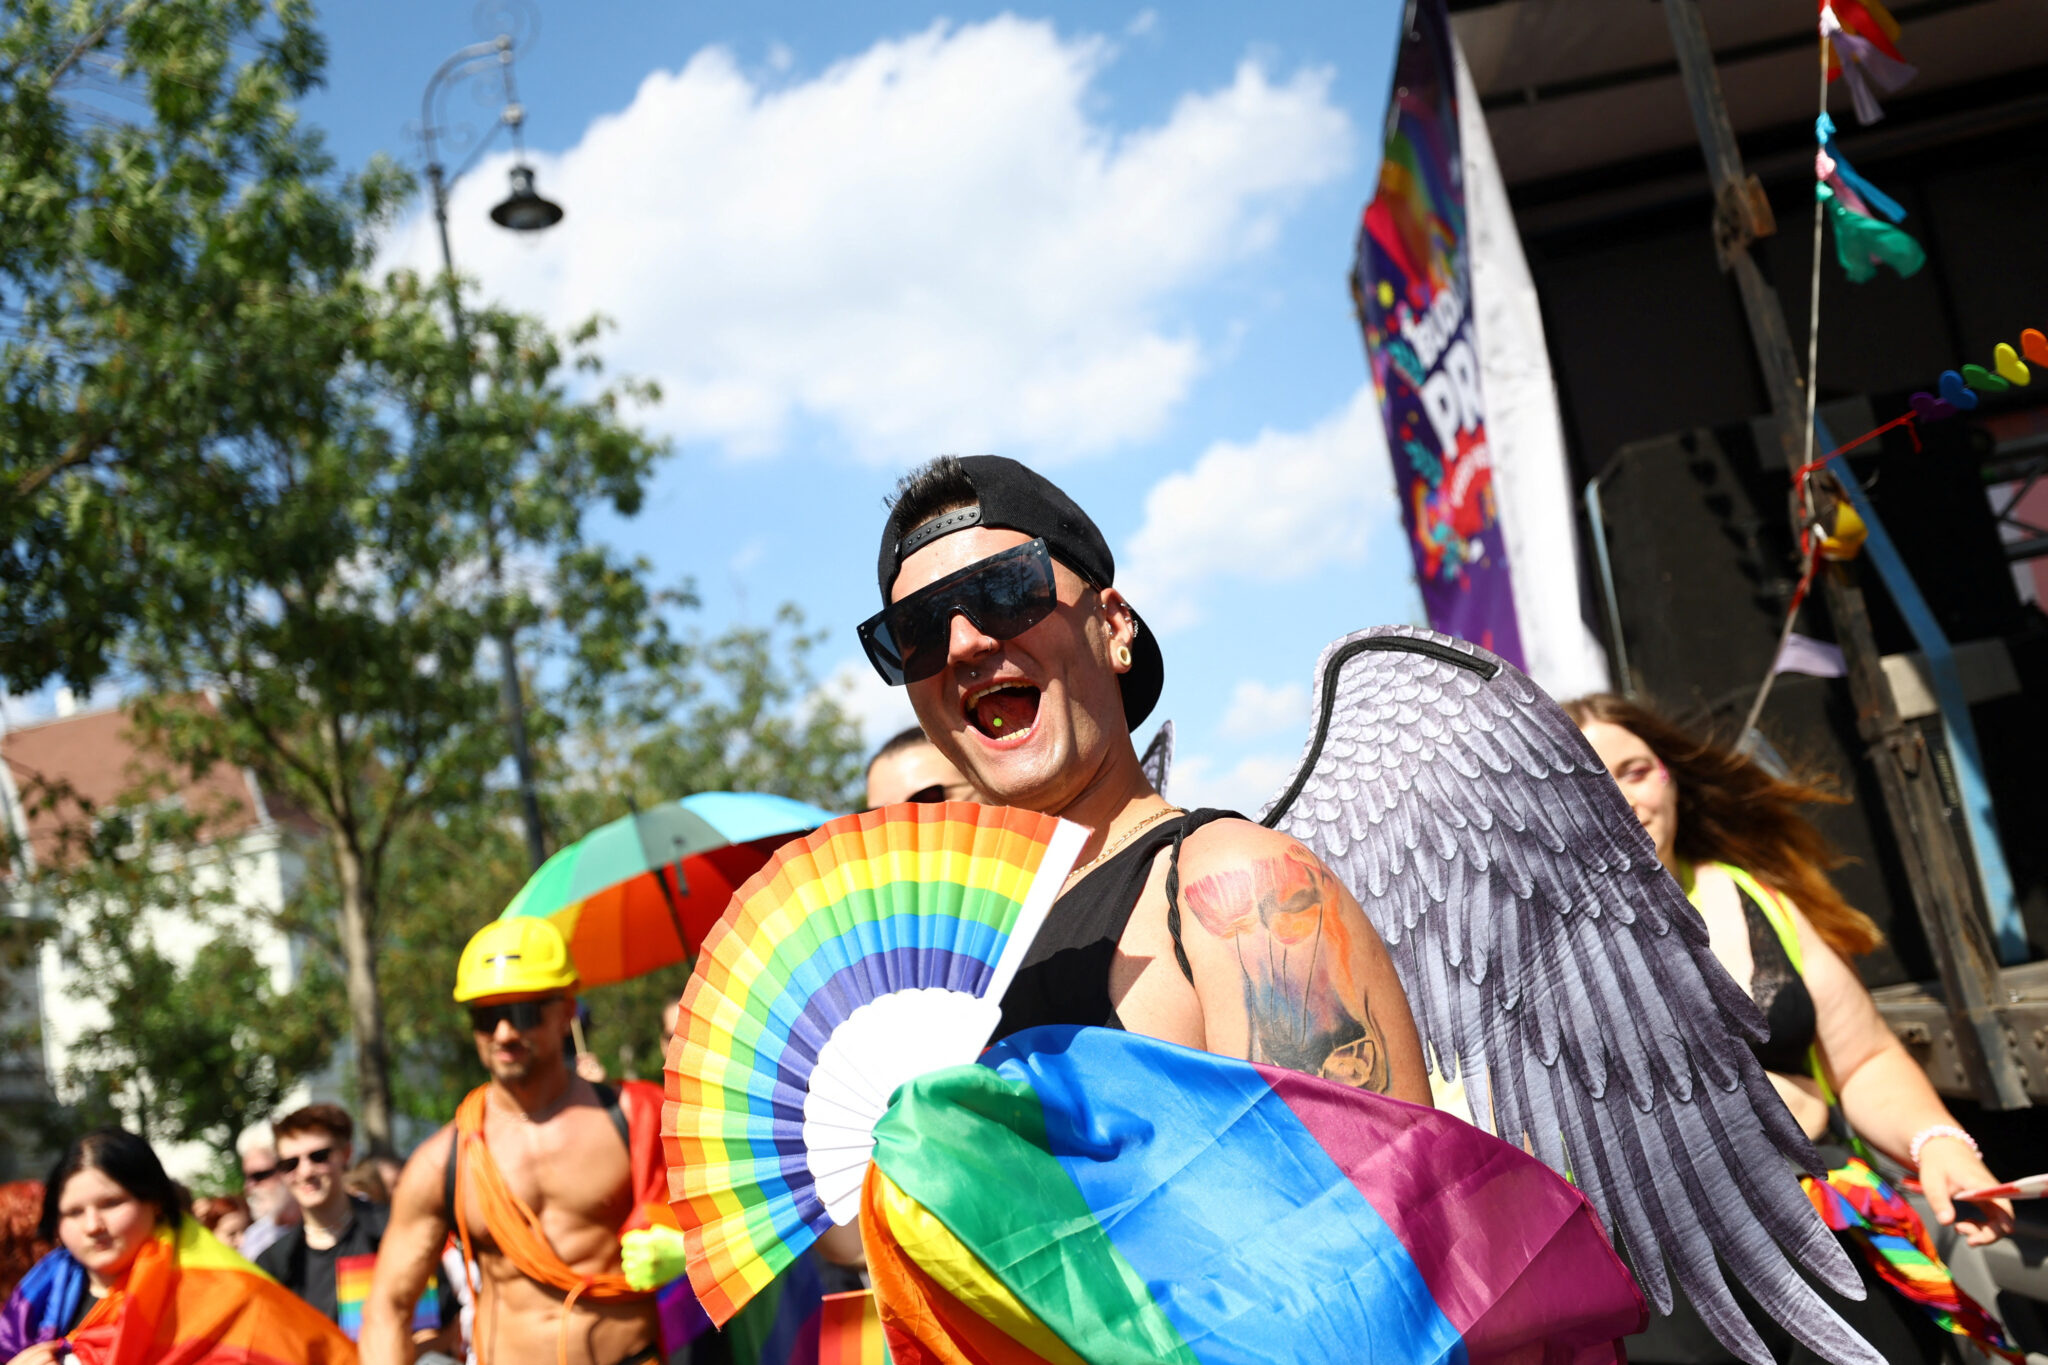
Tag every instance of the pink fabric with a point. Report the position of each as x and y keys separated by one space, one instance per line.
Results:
x=1434 y=1182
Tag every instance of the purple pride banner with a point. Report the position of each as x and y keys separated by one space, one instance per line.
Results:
x=1412 y=282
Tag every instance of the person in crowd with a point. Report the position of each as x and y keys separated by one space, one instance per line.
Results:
x=21 y=1241
x=1027 y=669
x=910 y=768
x=271 y=1206
x=133 y=1280
x=538 y=1177
x=329 y=1258
x=1735 y=837
x=365 y=1180
x=226 y=1216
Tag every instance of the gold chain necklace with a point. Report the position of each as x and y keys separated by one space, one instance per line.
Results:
x=1117 y=847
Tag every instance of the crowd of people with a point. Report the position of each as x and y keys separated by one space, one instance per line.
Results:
x=534 y=1227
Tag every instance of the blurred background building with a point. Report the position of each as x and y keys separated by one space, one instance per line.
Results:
x=250 y=862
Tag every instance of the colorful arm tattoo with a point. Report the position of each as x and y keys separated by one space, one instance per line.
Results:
x=1307 y=1006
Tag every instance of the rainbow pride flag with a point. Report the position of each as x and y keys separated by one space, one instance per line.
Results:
x=189 y=1300
x=1089 y=1195
x=1857 y=1200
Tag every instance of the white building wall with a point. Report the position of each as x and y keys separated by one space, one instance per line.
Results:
x=260 y=870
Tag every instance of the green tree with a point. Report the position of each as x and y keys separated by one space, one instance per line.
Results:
x=174 y=251
x=734 y=712
x=335 y=593
x=229 y=463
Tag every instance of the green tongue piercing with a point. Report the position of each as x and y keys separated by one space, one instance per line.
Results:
x=996 y=722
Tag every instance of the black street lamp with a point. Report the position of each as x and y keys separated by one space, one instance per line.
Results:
x=523 y=211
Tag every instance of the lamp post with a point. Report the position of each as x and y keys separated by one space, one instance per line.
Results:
x=524 y=210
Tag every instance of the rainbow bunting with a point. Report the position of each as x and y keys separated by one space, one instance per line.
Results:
x=873 y=950
x=1089 y=1195
x=1857 y=1200
x=189 y=1300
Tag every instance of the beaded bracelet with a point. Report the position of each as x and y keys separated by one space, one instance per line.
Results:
x=1940 y=1130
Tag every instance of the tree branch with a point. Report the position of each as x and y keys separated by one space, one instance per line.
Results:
x=77 y=453
x=95 y=38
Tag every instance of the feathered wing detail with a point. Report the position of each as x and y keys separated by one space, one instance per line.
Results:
x=1158 y=759
x=1554 y=963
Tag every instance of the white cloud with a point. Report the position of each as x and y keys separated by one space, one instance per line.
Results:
x=1273 y=509
x=1257 y=710
x=937 y=244
x=1245 y=787
x=879 y=709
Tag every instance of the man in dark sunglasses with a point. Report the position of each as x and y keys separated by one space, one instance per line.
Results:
x=537 y=1145
x=271 y=1206
x=328 y=1258
x=1028 y=670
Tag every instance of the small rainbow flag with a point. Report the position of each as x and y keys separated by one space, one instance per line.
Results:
x=1857 y=1200
x=794 y=1322
x=188 y=1299
x=1089 y=1195
x=850 y=1330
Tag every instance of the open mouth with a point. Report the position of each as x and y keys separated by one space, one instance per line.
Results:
x=1005 y=711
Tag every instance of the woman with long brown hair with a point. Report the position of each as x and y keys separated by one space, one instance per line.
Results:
x=1737 y=840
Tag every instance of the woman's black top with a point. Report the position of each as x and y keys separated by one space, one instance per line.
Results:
x=1780 y=994
x=1065 y=976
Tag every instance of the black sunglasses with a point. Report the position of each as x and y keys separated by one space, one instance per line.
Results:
x=1003 y=595
x=319 y=1156
x=258 y=1177
x=524 y=1015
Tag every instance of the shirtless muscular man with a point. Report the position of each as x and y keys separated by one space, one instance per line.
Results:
x=544 y=1170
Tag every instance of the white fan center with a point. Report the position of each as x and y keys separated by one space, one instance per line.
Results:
x=889 y=1040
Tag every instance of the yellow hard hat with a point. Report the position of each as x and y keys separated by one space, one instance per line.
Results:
x=514 y=957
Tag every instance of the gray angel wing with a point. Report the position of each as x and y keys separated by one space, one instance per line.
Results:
x=1553 y=962
x=1158 y=759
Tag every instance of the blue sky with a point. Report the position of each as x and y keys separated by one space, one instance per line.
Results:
x=1111 y=241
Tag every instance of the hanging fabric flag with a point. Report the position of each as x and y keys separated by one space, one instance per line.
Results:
x=1842 y=176
x=1863 y=241
x=1412 y=284
x=1815 y=658
x=1863 y=50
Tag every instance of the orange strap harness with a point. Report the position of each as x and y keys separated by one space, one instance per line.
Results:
x=516 y=1229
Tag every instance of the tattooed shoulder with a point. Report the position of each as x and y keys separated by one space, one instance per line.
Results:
x=1299 y=957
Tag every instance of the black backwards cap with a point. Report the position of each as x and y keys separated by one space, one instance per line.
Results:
x=1011 y=496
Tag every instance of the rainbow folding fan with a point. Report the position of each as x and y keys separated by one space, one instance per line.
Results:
x=872 y=951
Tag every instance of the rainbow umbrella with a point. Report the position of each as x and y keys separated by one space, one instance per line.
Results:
x=641 y=892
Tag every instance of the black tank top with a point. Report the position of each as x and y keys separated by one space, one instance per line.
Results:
x=1780 y=994
x=1065 y=976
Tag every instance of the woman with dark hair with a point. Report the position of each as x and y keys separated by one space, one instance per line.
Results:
x=131 y=1267
x=1754 y=866
x=104 y=1200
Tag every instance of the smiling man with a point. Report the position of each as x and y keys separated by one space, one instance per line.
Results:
x=328 y=1257
x=1028 y=670
x=537 y=1177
